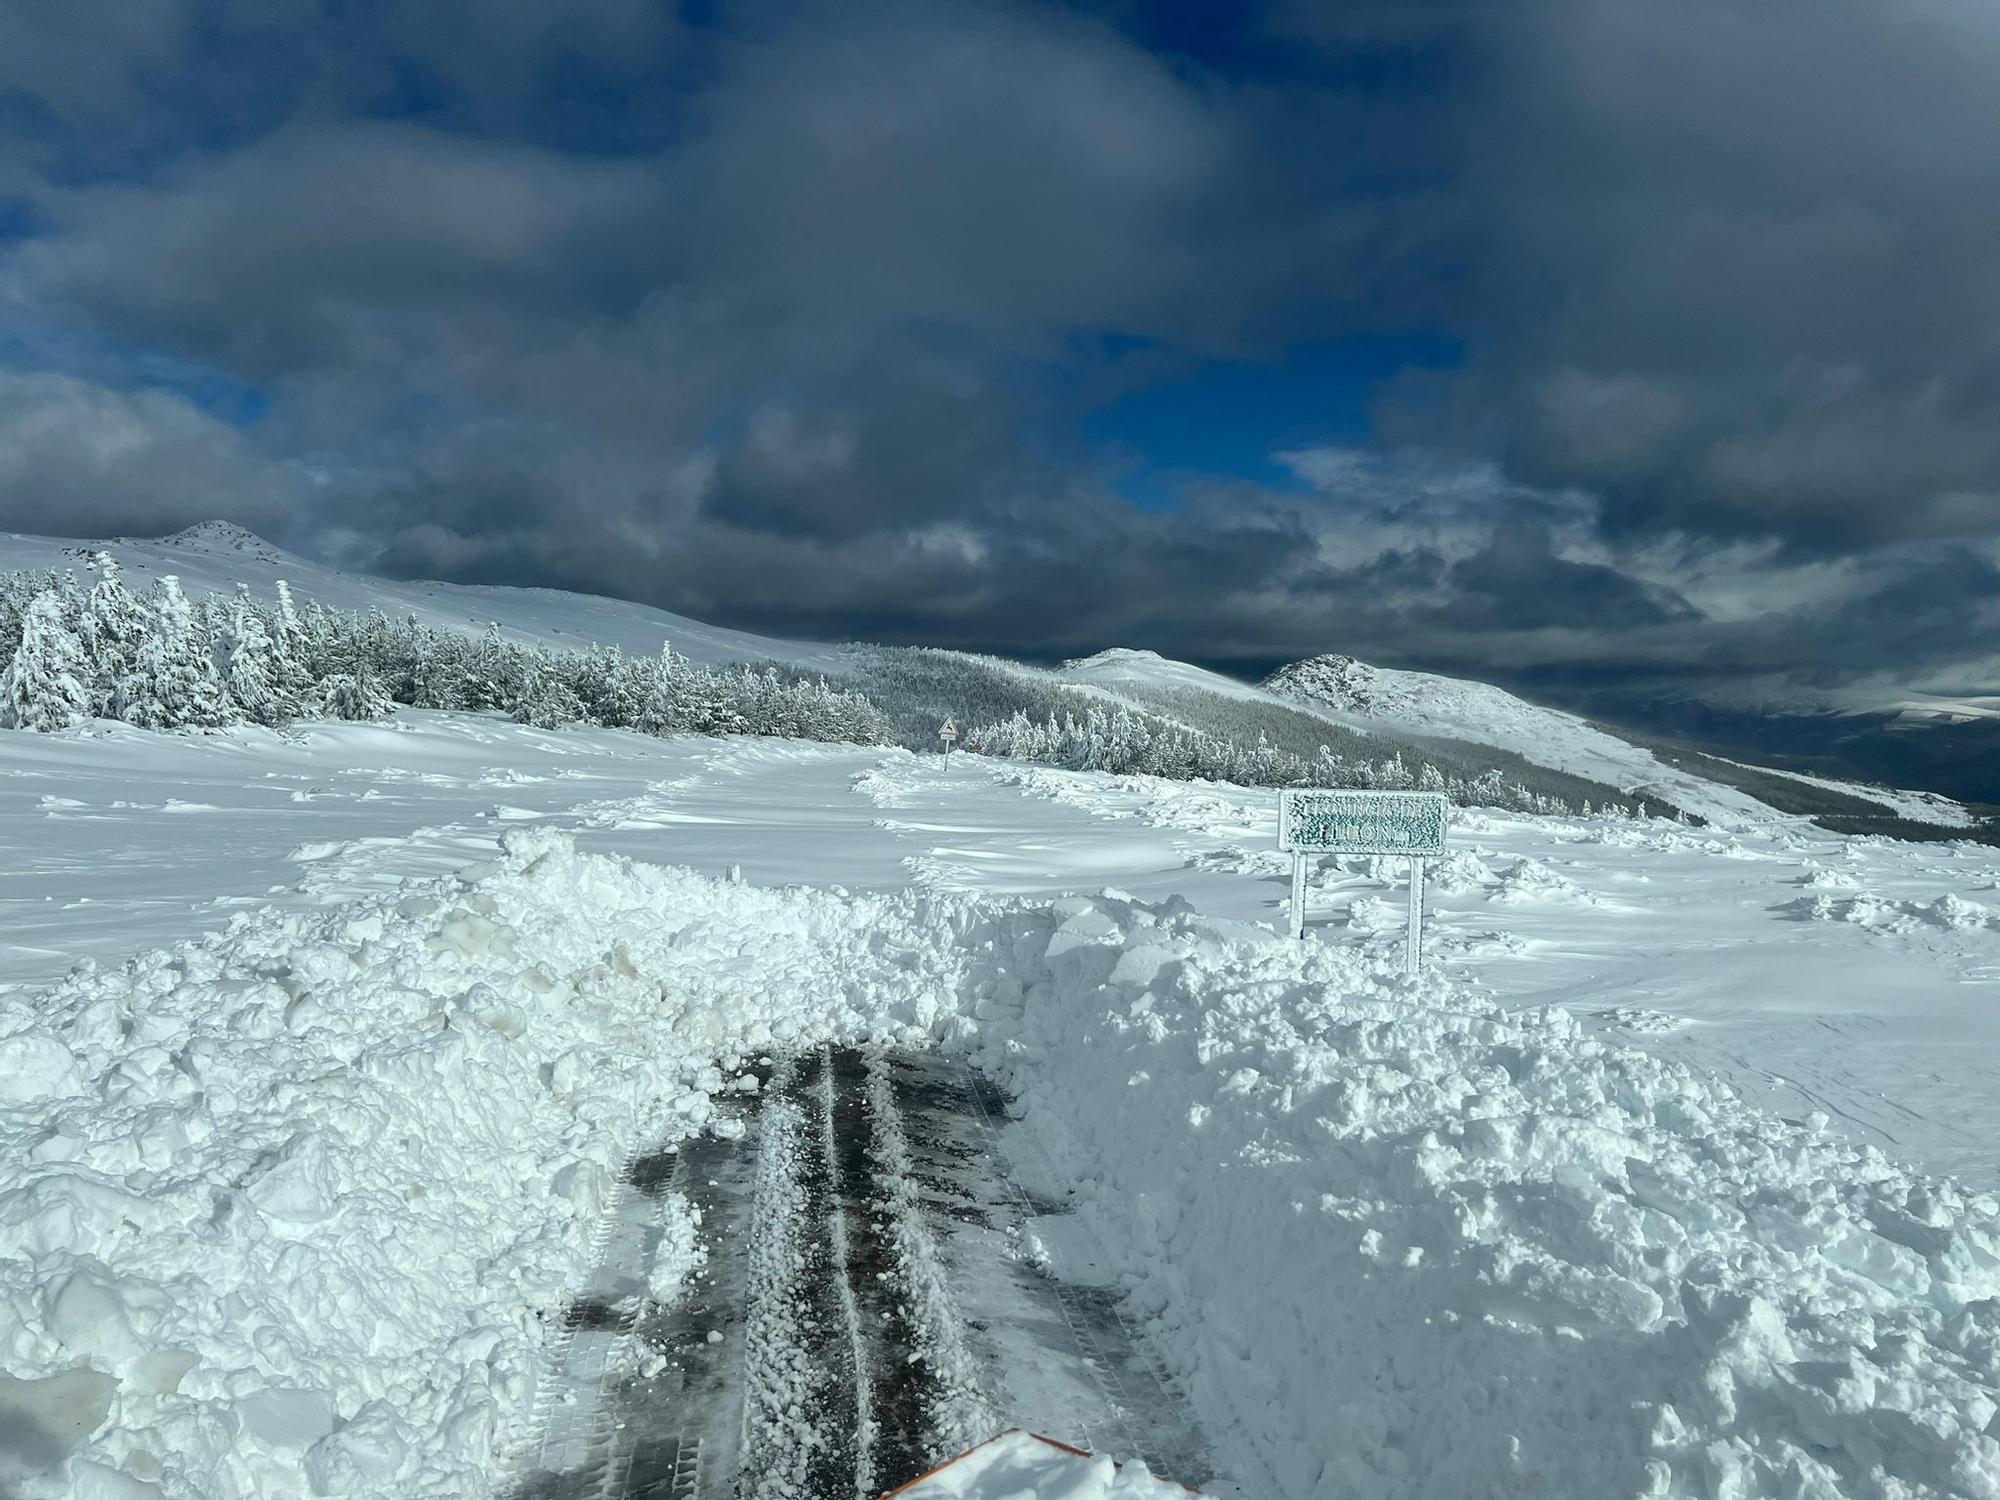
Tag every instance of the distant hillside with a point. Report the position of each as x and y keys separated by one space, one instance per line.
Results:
x=1356 y=693
x=1354 y=709
x=215 y=556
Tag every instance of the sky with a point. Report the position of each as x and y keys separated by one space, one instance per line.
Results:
x=1559 y=342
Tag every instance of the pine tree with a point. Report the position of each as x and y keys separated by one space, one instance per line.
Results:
x=354 y=695
x=291 y=669
x=493 y=677
x=709 y=701
x=326 y=644
x=44 y=685
x=546 y=700
x=617 y=688
x=440 y=677
x=111 y=628
x=173 y=683
x=659 y=709
x=251 y=673
x=212 y=628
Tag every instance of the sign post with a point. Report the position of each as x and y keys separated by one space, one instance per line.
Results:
x=1411 y=824
x=948 y=731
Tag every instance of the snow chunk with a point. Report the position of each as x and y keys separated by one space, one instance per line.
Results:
x=42 y=1422
x=295 y=1182
x=287 y=1416
x=36 y=1065
x=362 y=1457
x=85 y=1310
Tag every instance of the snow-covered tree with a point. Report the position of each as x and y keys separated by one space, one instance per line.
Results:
x=354 y=695
x=441 y=676
x=44 y=684
x=493 y=671
x=658 y=711
x=110 y=629
x=611 y=686
x=290 y=653
x=251 y=673
x=212 y=626
x=173 y=683
x=546 y=700
x=171 y=662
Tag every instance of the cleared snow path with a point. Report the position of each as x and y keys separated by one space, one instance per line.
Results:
x=879 y=1292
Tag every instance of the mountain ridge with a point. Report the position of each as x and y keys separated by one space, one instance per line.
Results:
x=218 y=555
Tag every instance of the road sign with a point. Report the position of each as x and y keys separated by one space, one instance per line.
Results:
x=1411 y=824
x=948 y=731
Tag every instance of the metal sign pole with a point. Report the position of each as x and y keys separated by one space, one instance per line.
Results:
x=1413 y=952
x=1298 y=896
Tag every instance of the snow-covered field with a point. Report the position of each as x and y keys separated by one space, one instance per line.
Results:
x=1675 y=1173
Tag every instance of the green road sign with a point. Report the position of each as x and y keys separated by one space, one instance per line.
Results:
x=1326 y=822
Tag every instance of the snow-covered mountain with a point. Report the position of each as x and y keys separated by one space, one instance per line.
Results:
x=1355 y=693
x=1122 y=666
x=215 y=556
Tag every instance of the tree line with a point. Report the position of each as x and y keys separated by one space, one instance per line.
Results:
x=78 y=651
x=161 y=660
x=1128 y=743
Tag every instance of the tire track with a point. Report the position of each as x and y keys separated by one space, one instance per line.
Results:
x=860 y=1361
x=793 y=1438
x=957 y=1410
x=877 y=1297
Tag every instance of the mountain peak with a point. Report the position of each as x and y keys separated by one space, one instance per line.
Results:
x=1331 y=679
x=1112 y=656
x=222 y=536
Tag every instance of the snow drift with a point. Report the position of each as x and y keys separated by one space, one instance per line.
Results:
x=289 y=1200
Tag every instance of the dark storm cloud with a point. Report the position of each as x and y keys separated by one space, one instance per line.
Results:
x=754 y=318
x=1517 y=582
x=81 y=460
x=1737 y=262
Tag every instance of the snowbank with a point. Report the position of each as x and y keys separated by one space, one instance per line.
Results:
x=295 y=1198
x=1407 y=1244
x=288 y=1204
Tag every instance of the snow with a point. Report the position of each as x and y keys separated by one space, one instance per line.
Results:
x=1021 y=1466
x=1887 y=1027
x=1919 y=807
x=1123 y=666
x=215 y=556
x=306 y=1165
x=1395 y=1238
x=1452 y=1235
x=783 y=1407
x=322 y=1054
x=1363 y=696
